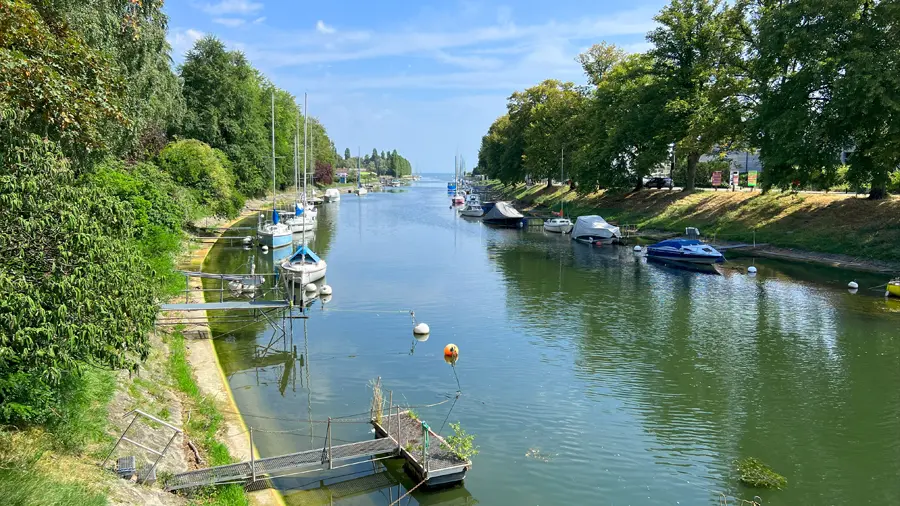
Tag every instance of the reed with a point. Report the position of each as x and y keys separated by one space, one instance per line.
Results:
x=377 y=399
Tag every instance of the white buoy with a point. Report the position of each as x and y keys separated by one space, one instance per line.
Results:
x=311 y=287
x=265 y=248
x=853 y=290
x=248 y=240
x=638 y=249
x=751 y=269
x=853 y=285
x=325 y=299
x=421 y=329
x=325 y=290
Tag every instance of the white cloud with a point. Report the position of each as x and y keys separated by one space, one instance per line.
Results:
x=183 y=40
x=232 y=22
x=232 y=7
x=259 y=20
x=321 y=27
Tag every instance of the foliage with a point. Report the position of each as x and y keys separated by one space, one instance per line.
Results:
x=24 y=488
x=54 y=84
x=388 y=163
x=205 y=422
x=460 y=443
x=76 y=292
x=206 y=171
x=756 y=474
x=324 y=173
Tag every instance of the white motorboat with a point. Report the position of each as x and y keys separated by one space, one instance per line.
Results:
x=472 y=210
x=558 y=225
x=304 y=266
x=332 y=195
x=361 y=191
x=593 y=228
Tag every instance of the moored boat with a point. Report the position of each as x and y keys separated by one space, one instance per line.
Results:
x=503 y=214
x=273 y=234
x=558 y=225
x=332 y=195
x=893 y=287
x=591 y=229
x=688 y=251
x=304 y=266
x=472 y=211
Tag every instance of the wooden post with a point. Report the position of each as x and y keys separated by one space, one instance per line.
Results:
x=399 y=432
x=252 y=459
x=330 y=461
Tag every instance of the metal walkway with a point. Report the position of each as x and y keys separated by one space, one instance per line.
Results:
x=237 y=304
x=271 y=467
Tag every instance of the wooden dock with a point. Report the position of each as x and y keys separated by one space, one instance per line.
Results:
x=398 y=435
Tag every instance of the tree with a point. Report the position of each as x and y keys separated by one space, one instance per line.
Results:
x=347 y=154
x=205 y=170
x=694 y=50
x=599 y=59
x=553 y=128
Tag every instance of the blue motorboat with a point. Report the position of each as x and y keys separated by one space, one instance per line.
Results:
x=688 y=251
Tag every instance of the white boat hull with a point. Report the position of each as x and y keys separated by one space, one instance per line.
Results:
x=304 y=273
x=472 y=213
x=361 y=191
x=558 y=228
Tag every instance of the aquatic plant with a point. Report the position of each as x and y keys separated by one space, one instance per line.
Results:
x=460 y=443
x=377 y=399
x=757 y=474
x=412 y=414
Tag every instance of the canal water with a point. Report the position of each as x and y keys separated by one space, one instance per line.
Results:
x=587 y=375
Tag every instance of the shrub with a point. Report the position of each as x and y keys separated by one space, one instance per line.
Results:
x=206 y=171
x=460 y=443
x=76 y=292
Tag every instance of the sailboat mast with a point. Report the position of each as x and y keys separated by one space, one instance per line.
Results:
x=358 y=174
x=273 y=155
x=305 y=124
x=562 y=161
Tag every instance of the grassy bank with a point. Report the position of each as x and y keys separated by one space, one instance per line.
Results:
x=834 y=224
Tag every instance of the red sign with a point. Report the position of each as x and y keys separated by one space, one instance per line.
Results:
x=717 y=178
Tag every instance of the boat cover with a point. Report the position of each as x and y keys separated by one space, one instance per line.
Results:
x=298 y=209
x=304 y=251
x=275 y=217
x=594 y=226
x=502 y=211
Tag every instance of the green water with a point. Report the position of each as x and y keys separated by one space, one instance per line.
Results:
x=588 y=375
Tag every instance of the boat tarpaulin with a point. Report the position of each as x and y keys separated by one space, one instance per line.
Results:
x=594 y=226
x=502 y=211
x=304 y=251
x=275 y=217
x=297 y=209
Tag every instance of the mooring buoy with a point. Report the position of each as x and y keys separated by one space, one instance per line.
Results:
x=751 y=270
x=325 y=290
x=853 y=285
x=451 y=350
x=421 y=329
x=638 y=249
x=311 y=287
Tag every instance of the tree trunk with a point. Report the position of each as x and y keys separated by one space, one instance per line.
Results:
x=549 y=182
x=878 y=192
x=572 y=185
x=692 y=160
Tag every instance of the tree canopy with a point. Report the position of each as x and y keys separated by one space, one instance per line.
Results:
x=816 y=100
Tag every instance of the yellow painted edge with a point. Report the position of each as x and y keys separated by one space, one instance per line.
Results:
x=276 y=495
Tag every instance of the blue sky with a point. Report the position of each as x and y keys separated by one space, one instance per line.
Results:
x=425 y=78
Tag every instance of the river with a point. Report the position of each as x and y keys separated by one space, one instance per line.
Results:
x=587 y=375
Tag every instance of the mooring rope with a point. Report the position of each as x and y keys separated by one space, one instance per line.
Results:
x=406 y=494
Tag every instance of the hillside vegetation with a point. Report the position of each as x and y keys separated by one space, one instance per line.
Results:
x=840 y=224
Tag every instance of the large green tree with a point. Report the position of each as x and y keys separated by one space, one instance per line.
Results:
x=694 y=54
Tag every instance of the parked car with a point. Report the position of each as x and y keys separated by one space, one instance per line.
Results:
x=658 y=182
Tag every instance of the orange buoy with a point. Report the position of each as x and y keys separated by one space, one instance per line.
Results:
x=451 y=350
x=451 y=359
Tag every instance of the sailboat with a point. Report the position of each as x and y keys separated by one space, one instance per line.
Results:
x=560 y=225
x=459 y=197
x=274 y=234
x=304 y=266
x=303 y=220
x=360 y=189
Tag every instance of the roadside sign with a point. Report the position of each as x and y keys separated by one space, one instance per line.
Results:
x=735 y=178
x=751 y=178
x=717 y=178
